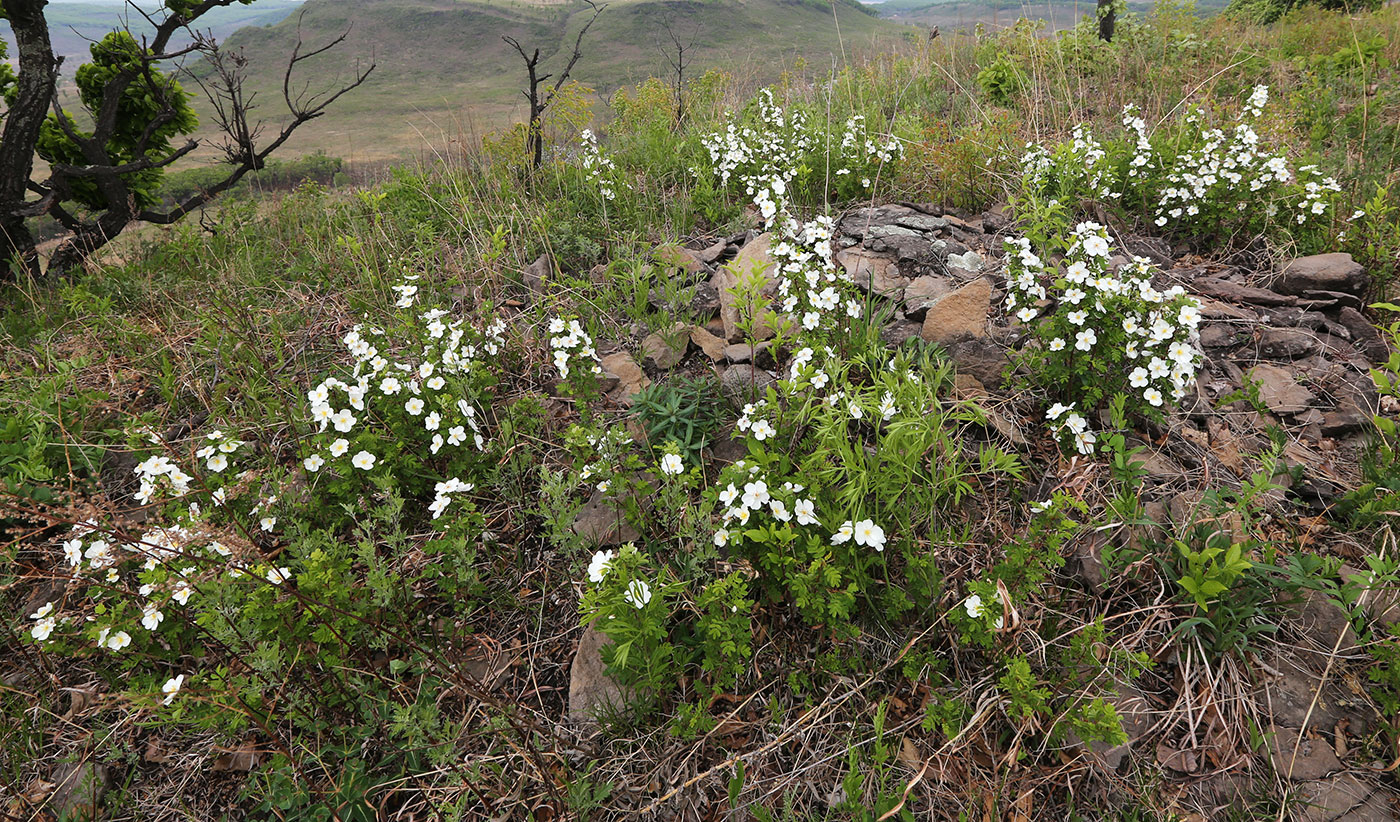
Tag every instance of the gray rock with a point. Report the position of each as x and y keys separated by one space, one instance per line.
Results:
x=592 y=693
x=922 y=222
x=876 y=273
x=1217 y=335
x=1286 y=343
x=1322 y=272
x=960 y=313
x=1322 y=623
x=536 y=273
x=923 y=292
x=78 y=789
x=711 y=253
x=980 y=358
x=1302 y=758
x=1280 y=391
x=744 y=383
x=896 y=333
x=601 y=522
x=1343 y=798
x=1234 y=292
x=970 y=262
x=1364 y=335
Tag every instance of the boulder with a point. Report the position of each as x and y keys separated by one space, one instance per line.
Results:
x=1234 y=292
x=1280 y=391
x=665 y=351
x=1322 y=272
x=712 y=345
x=592 y=693
x=630 y=379
x=979 y=357
x=876 y=273
x=923 y=292
x=755 y=258
x=960 y=313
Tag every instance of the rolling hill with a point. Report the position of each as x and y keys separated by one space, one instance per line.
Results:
x=444 y=72
x=73 y=25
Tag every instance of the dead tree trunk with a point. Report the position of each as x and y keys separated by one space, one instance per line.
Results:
x=1108 y=19
x=539 y=100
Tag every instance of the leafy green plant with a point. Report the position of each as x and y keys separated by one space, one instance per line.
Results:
x=684 y=410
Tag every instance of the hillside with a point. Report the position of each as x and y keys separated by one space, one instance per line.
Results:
x=73 y=26
x=443 y=71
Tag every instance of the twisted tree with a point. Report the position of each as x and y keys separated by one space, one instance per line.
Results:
x=104 y=172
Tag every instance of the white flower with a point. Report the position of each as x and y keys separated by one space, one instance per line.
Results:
x=806 y=512
x=1084 y=441
x=761 y=430
x=343 y=420
x=267 y=523
x=363 y=460
x=755 y=494
x=1074 y=295
x=390 y=386
x=313 y=463
x=339 y=447
x=974 y=606
x=1026 y=314
x=598 y=566
x=1077 y=317
x=728 y=495
x=73 y=551
x=1096 y=246
x=1056 y=411
x=414 y=406
x=869 y=534
x=671 y=464
x=44 y=610
x=217 y=463
x=854 y=410
x=721 y=538
x=277 y=576
x=171 y=688
x=1085 y=339
x=844 y=533
x=1057 y=344
x=1153 y=396
x=182 y=593
x=780 y=511
x=117 y=641
x=432 y=421
x=456 y=435
x=43 y=628
x=151 y=617
x=638 y=593
x=1138 y=378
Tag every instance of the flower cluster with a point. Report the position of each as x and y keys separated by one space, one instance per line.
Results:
x=783 y=149
x=1105 y=333
x=637 y=593
x=747 y=494
x=1191 y=176
x=421 y=388
x=571 y=346
x=597 y=166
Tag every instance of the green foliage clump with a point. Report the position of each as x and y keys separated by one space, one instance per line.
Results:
x=153 y=107
x=683 y=410
x=1269 y=11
